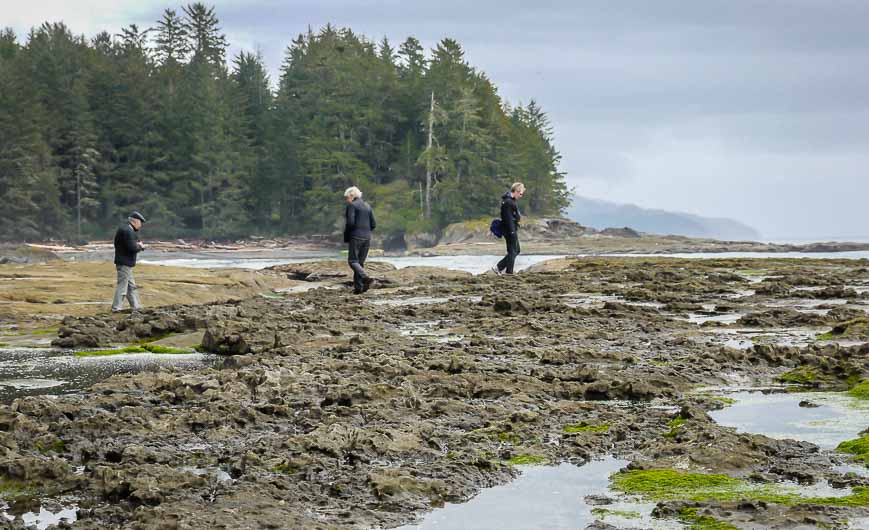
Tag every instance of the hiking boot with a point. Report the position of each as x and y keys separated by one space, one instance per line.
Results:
x=366 y=283
x=496 y=270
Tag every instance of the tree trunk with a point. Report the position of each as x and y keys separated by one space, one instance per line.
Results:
x=78 y=204
x=428 y=161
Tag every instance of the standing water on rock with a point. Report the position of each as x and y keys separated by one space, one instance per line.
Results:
x=547 y=498
x=34 y=371
x=829 y=418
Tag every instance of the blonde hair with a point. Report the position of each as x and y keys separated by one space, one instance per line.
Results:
x=517 y=186
x=352 y=192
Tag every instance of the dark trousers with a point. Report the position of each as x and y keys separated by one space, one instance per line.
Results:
x=357 y=252
x=509 y=260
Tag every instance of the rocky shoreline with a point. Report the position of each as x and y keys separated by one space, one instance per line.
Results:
x=548 y=236
x=328 y=410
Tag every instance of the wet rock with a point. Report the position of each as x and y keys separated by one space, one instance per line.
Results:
x=598 y=500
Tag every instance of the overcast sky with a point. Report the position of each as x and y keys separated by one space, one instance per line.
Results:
x=752 y=109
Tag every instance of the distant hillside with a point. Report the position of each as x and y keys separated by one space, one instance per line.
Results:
x=603 y=214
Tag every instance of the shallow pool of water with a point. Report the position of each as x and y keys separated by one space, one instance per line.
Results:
x=472 y=264
x=546 y=498
x=36 y=371
x=838 y=417
x=42 y=519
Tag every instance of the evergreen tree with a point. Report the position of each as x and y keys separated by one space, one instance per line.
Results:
x=154 y=120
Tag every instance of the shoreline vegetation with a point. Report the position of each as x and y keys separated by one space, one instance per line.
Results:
x=160 y=120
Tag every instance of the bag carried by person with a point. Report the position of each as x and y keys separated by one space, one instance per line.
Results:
x=496 y=228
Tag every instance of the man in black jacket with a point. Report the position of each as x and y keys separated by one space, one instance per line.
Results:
x=127 y=245
x=359 y=222
x=510 y=227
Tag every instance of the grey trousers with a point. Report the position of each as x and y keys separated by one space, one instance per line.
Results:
x=126 y=288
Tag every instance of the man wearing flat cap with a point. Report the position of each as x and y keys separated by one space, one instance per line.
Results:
x=127 y=245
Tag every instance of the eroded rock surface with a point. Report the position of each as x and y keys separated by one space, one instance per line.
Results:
x=332 y=410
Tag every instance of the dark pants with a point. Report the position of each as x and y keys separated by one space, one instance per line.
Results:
x=357 y=251
x=512 y=251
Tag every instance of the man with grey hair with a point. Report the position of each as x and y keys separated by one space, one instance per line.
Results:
x=127 y=245
x=359 y=222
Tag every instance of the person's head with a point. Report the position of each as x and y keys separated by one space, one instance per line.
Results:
x=517 y=190
x=352 y=193
x=136 y=220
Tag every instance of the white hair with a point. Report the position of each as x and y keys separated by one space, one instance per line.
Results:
x=353 y=192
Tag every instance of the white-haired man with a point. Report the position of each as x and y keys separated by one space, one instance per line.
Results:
x=127 y=245
x=359 y=222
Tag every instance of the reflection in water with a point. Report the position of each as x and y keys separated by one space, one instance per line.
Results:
x=41 y=520
x=35 y=371
x=838 y=418
x=546 y=498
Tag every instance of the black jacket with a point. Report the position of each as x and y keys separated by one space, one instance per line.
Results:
x=126 y=245
x=359 y=219
x=509 y=214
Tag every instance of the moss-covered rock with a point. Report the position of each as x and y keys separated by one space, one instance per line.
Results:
x=860 y=390
x=585 y=427
x=669 y=484
x=140 y=348
x=859 y=448
x=524 y=460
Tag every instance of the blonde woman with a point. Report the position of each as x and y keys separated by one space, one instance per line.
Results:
x=510 y=227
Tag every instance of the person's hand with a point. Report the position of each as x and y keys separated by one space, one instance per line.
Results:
x=141 y=246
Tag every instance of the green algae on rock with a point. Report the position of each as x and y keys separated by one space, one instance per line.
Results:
x=585 y=427
x=858 y=447
x=669 y=484
x=605 y=512
x=860 y=390
x=703 y=522
x=802 y=375
x=524 y=460
x=675 y=424
x=142 y=348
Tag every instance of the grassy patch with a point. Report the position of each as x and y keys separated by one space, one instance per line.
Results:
x=142 y=348
x=858 y=447
x=675 y=424
x=825 y=336
x=696 y=521
x=802 y=375
x=604 y=512
x=860 y=390
x=524 y=460
x=15 y=488
x=668 y=484
x=585 y=427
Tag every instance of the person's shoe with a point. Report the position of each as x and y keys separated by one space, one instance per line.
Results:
x=496 y=270
x=366 y=283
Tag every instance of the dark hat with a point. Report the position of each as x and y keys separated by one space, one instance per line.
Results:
x=137 y=215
